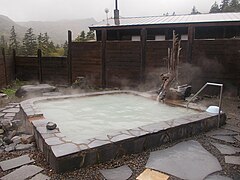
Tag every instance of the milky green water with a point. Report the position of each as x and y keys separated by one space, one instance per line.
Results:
x=89 y=117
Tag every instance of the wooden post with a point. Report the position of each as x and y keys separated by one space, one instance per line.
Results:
x=5 y=66
x=69 y=58
x=143 y=53
x=39 y=55
x=104 y=40
x=14 y=64
x=191 y=37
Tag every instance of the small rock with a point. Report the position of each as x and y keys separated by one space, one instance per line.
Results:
x=51 y=126
x=27 y=139
x=10 y=147
x=34 y=90
x=1 y=142
x=1 y=131
x=2 y=95
x=7 y=140
x=17 y=123
x=16 y=139
x=20 y=147
x=11 y=134
x=6 y=124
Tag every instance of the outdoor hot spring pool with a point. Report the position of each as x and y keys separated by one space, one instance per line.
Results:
x=97 y=116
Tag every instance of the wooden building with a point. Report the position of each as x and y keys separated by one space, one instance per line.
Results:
x=160 y=28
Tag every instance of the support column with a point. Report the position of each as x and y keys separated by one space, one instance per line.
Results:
x=143 y=53
x=104 y=39
x=191 y=37
x=69 y=58
x=5 y=66
x=39 y=54
x=14 y=64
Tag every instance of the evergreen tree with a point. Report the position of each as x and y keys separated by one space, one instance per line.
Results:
x=90 y=35
x=40 y=40
x=13 y=42
x=195 y=11
x=65 y=47
x=81 y=37
x=51 y=47
x=46 y=49
x=224 y=7
x=215 y=8
x=29 y=43
x=234 y=6
x=45 y=45
x=3 y=43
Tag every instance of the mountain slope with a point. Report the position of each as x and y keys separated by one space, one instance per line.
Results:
x=6 y=25
x=57 y=30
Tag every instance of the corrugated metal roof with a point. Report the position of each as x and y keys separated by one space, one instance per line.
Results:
x=176 y=19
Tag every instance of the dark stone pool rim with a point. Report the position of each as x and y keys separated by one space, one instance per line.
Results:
x=64 y=154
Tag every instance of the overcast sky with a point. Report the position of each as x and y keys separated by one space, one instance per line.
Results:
x=51 y=10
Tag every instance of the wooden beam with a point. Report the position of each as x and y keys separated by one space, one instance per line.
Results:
x=69 y=58
x=39 y=54
x=191 y=37
x=152 y=26
x=143 y=53
x=5 y=66
x=104 y=40
x=14 y=63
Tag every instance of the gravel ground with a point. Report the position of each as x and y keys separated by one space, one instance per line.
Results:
x=137 y=161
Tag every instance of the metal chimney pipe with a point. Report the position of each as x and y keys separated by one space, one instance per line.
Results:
x=116 y=3
x=116 y=14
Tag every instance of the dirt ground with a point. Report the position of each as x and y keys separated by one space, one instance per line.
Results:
x=137 y=162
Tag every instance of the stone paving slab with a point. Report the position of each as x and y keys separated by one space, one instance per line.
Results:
x=237 y=137
x=221 y=132
x=10 y=114
x=120 y=173
x=15 y=162
x=232 y=160
x=217 y=177
x=64 y=149
x=186 y=160
x=228 y=139
x=2 y=114
x=40 y=176
x=149 y=174
x=224 y=149
x=232 y=128
x=12 y=110
x=20 y=147
x=23 y=173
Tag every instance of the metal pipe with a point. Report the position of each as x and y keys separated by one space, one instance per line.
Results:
x=220 y=99
x=196 y=94
x=220 y=106
x=116 y=3
x=214 y=84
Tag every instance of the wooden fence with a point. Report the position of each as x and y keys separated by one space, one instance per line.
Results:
x=6 y=69
x=42 y=69
x=120 y=64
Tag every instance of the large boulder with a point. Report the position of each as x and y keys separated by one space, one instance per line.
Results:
x=34 y=90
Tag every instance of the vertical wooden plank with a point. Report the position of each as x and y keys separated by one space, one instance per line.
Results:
x=104 y=39
x=191 y=37
x=14 y=64
x=143 y=53
x=69 y=59
x=39 y=55
x=5 y=66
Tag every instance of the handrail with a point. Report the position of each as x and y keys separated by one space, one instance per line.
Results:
x=220 y=98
